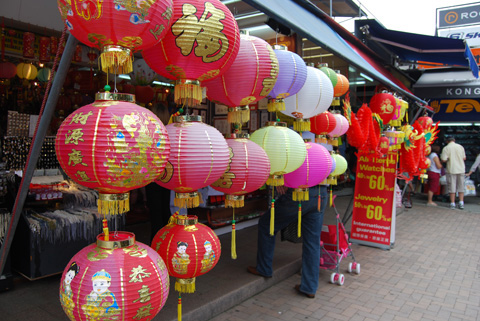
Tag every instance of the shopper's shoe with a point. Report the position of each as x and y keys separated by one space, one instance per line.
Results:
x=461 y=206
x=452 y=206
x=308 y=295
x=253 y=270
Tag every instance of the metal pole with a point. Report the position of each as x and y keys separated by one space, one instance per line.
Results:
x=36 y=146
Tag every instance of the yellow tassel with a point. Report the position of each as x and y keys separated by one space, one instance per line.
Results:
x=106 y=232
x=234 y=245
x=187 y=202
x=299 y=226
x=301 y=125
x=111 y=204
x=333 y=141
x=272 y=218
x=116 y=62
x=275 y=180
x=300 y=194
x=179 y=307
x=335 y=101
x=235 y=203
x=185 y=285
x=238 y=115
x=331 y=197
x=189 y=94
x=274 y=105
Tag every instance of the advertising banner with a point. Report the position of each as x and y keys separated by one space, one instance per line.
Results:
x=373 y=218
x=458 y=16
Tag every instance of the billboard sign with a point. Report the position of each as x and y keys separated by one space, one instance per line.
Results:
x=458 y=16
x=471 y=34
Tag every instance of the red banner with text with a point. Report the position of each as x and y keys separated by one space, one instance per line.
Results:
x=374 y=206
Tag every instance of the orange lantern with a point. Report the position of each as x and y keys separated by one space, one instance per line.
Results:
x=340 y=89
x=250 y=78
x=117 y=28
x=112 y=146
x=202 y=44
x=189 y=249
x=199 y=156
x=115 y=279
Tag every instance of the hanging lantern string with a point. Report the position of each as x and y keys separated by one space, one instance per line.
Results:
x=234 y=246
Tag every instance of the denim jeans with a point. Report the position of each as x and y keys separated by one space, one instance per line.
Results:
x=286 y=212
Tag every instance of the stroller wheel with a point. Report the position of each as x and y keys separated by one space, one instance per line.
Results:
x=341 y=279
x=333 y=278
x=357 y=268
x=350 y=267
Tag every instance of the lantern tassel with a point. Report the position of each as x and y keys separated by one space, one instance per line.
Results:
x=331 y=196
x=116 y=62
x=234 y=245
x=301 y=125
x=274 y=105
x=299 y=226
x=179 y=307
x=185 y=285
x=186 y=200
x=319 y=203
x=113 y=203
x=105 y=229
x=275 y=180
x=272 y=213
x=300 y=194
x=238 y=115
x=234 y=203
x=189 y=94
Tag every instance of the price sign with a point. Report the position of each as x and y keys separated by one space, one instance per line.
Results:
x=374 y=206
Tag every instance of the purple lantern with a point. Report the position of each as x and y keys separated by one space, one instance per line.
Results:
x=317 y=166
x=291 y=77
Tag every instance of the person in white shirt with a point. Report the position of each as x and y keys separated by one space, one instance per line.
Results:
x=454 y=156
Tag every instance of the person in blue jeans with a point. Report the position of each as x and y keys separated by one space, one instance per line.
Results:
x=286 y=212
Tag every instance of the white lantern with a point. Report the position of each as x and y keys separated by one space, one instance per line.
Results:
x=314 y=98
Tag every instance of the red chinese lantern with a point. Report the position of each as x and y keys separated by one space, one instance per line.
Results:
x=199 y=156
x=321 y=125
x=248 y=169
x=250 y=78
x=28 y=45
x=189 y=249
x=383 y=145
x=426 y=122
x=112 y=146
x=44 y=49
x=7 y=70
x=202 y=44
x=144 y=94
x=340 y=89
x=384 y=105
x=117 y=28
x=115 y=279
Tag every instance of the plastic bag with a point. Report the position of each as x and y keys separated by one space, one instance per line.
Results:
x=470 y=188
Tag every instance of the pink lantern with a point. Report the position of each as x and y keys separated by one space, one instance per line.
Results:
x=317 y=166
x=248 y=169
x=250 y=78
x=341 y=127
x=198 y=157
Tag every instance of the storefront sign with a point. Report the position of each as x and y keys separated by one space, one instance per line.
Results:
x=373 y=218
x=471 y=34
x=458 y=16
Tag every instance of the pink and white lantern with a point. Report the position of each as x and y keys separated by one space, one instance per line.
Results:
x=340 y=129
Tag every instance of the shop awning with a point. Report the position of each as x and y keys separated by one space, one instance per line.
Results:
x=304 y=18
x=415 y=47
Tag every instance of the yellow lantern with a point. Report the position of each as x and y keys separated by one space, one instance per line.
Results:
x=26 y=71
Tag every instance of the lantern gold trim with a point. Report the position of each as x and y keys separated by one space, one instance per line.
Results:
x=185 y=285
x=115 y=240
x=113 y=203
x=186 y=200
x=280 y=47
x=186 y=220
x=114 y=96
x=276 y=123
x=239 y=114
x=276 y=104
x=333 y=141
x=301 y=125
x=187 y=118
x=321 y=139
x=300 y=194
x=235 y=201
x=188 y=92
x=116 y=60
x=275 y=180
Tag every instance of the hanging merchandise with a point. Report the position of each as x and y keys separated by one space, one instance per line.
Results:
x=321 y=125
x=7 y=69
x=43 y=74
x=341 y=127
x=199 y=156
x=384 y=105
x=26 y=71
x=340 y=89
x=44 y=49
x=189 y=249
x=331 y=74
x=291 y=78
x=115 y=279
x=250 y=78
x=118 y=28
x=248 y=169
x=396 y=113
x=201 y=44
x=28 y=45
x=315 y=168
x=314 y=98
x=113 y=146
x=383 y=145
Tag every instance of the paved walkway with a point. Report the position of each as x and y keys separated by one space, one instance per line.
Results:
x=432 y=273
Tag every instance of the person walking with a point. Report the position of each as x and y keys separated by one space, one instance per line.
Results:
x=433 y=173
x=453 y=155
x=473 y=169
x=286 y=210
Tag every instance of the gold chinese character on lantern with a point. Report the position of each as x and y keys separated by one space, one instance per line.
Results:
x=81 y=118
x=206 y=32
x=74 y=136
x=75 y=158
x=144 y=294
x=138 y=273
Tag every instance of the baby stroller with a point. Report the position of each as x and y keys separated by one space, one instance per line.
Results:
x=334 y=249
